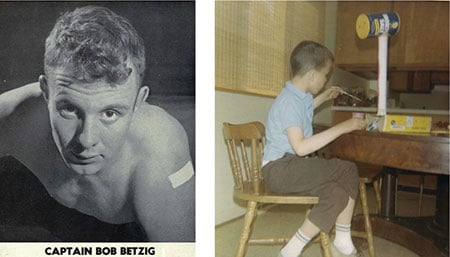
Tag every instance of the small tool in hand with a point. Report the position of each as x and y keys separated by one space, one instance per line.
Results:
x=352 y=96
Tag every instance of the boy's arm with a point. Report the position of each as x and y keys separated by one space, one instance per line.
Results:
x=164 y=191
x=304 y=146
x=328 y=94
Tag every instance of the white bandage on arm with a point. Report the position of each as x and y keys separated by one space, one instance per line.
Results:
x=182 y=175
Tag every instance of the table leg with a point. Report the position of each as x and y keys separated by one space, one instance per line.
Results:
x=439 y=225
x=388 y=193
x=441 y=217
x=426 y=236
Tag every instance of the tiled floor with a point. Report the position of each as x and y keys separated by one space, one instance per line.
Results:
x=284 y=220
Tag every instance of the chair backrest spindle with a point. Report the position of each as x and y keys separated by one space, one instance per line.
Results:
x=245 y=159
x=234 y=163
x=256 y=174
x=244 y=141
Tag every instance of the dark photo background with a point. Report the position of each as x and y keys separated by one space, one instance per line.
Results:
x=168 y=30
x=166 y=27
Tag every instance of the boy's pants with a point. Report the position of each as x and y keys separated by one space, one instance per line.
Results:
x=332 y=180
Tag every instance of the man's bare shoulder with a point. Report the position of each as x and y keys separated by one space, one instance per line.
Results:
x=160 y=138
x=163 y=182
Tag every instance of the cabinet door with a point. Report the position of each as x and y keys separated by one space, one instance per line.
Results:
x=352 y=53
x=422 y=43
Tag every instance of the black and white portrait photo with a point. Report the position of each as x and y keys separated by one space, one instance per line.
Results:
x=97 y=122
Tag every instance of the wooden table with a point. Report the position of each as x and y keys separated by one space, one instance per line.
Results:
x=423 y=153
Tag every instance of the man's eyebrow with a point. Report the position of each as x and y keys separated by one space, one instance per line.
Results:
x=116 y=106
x=64 y=102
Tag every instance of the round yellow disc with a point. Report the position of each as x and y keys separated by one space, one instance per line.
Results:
x=362 y=26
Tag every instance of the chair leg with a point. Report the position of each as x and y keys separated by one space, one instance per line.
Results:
x=376 y=188
x=325 y=243
x=367 y=223
x=250 y=215
x=396 y=196
x=422 y=181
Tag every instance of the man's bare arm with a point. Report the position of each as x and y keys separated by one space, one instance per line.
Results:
x=13 y=98
x=9 y=102
x=164 y=194
x=167 y=213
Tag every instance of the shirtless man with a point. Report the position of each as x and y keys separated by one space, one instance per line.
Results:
x=88 y=135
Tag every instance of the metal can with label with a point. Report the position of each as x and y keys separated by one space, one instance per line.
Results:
x=374 y=24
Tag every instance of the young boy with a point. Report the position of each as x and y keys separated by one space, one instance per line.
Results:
x=87 y=134
x=290 y=139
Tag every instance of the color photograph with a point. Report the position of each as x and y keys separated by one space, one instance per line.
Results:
x=331 y=128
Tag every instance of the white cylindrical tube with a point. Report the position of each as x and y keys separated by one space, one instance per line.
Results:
x=382 y=73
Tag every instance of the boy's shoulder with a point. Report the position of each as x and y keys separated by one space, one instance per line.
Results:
x=286 y=100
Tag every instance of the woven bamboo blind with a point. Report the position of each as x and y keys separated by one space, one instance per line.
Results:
x=254 y=41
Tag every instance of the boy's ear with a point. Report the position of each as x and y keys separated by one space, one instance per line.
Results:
x=142 y=96
x=311 y=75
x=44 y=86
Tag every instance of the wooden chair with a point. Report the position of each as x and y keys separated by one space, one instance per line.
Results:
x=421 y=183
x=371 y=174
x=368 y=174
x=245 y=144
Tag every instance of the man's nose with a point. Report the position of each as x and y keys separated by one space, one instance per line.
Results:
x=88 y=136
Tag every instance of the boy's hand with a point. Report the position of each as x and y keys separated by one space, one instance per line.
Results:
x=353 y=124
x=328 y=94
x=331 y=93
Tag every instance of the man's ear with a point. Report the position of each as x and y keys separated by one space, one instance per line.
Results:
x=142 y=96
x=44 y=86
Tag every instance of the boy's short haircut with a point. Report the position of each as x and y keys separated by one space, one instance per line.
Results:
x=308 y=55
x=95 y=43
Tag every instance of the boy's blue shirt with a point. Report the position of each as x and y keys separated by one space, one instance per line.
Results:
x=292 y=107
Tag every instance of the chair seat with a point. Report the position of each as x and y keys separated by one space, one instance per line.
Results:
x=245 y=145
x=368 y=172
x=266 y=196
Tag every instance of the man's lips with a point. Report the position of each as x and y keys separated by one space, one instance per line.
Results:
x=83 y=158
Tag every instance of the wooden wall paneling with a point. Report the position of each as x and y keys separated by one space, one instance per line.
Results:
x=423 y=40
x=353 y=53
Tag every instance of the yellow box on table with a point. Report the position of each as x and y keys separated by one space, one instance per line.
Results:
x=406 y=123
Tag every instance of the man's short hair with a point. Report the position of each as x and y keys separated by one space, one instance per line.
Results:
x=95 y=43
x=308 y=55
